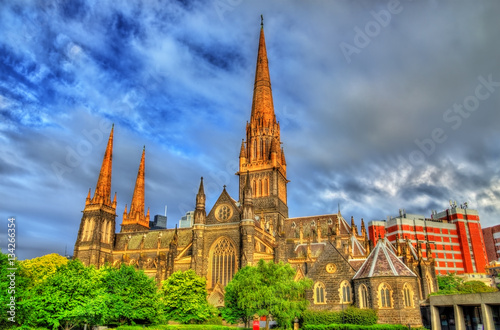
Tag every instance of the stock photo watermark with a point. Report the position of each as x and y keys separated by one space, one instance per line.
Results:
x=453 y=116
x=75 y=155
x=11 y=270
x=364 y=36
x=223 y=6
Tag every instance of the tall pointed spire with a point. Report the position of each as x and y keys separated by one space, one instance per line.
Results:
x=261 y=156
x=102 y=194
x=135 y=219
x=137 y=204
x=262 y=103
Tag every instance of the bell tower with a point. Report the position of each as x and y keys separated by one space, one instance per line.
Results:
x=96 y=236
x=261 y=155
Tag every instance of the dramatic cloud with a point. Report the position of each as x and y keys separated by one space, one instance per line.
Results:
x=382 y=105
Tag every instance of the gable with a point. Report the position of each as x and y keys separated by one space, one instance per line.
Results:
x=330 y=263
x=224 y=210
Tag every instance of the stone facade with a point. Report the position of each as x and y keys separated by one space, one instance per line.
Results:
x=235 y=233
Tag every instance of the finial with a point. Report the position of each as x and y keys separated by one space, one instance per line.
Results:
x=261 y=21
x=113 y=125
x=144 y=148
x=224 y=187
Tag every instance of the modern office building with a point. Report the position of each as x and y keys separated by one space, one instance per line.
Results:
x=187 y=220
x=454 y=234
x=159 y=222
x=491 y=237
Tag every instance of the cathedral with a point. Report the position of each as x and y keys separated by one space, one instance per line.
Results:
x=394 y=279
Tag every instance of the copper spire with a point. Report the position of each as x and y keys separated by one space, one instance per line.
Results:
x=102 y=194
x=262 y=103
x=136 y=214
x=137 y=204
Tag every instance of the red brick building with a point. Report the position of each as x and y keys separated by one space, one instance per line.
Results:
x=455 y=237
x=492 y=242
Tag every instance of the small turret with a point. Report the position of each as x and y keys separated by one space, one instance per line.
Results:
x=87 y=201
x=363 y=228
x=354 y=230
x=247 y=199
x=199 y=212
x=428 y=250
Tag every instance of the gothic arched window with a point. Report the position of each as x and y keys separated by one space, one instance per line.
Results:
x=363 y=297
x=260 y=187
x=407 y=295
x=90 y=229
x=85 y=230
x=384 y=292
x=222 y=262
x=319 y=293
x=266 y=187
x=345 y=292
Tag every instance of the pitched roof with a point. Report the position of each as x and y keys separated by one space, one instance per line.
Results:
x=382 y=261
x=358 y=251
x=315 y=249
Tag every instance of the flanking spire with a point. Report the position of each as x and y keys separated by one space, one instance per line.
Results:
x=102 y=193
x=135 y=219
x=137 y=204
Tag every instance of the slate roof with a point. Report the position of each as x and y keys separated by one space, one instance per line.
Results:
x=382 y=261
x=356 y=263
x=151 y=238
x=316 y=250
x=325 y=221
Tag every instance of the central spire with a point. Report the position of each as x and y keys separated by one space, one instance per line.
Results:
x=262 y=103
x=262 y=167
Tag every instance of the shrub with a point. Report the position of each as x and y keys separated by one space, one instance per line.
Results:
x=214 y=320
x=354 y=327
x=185 y=327
x=351 y=315
x=321 y=317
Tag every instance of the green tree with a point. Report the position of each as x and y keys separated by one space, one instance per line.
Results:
x=449 y=283
x=268 y=289
x=69 y=297
x=452 y=284
x=475 y=287
x=184 y=297
x=12 y=287
x=131 y=296
x=39 y=269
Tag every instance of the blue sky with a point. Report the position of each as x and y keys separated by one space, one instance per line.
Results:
x=382 y=105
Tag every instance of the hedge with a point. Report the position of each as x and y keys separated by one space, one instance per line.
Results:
x=354 y=327
x=179 y=327
x=351 y=315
